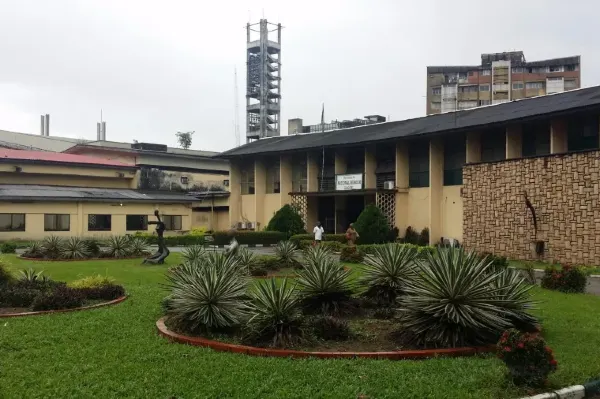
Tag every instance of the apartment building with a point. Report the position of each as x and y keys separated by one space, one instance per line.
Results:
x=500 y=78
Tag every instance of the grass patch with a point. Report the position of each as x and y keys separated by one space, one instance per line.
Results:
x=115 y=352
x=522 y=264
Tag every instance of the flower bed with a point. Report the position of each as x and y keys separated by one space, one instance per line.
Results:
x=43 y=312
x=80 y=260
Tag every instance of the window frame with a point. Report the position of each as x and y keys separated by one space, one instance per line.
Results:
x=144 y=222
x=486 y=85
x=247 y=181
x=418 y=174
x=103 y=215
x=12 y=222
x=489 y=141
x=273 y=177
x=169 y=220
x=455 y=154
x=486 y=72
x=56 y=223
x=518 y=88
x=436 y=91
x=528 y=85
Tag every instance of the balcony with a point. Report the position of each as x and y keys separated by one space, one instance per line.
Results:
x=326 y=184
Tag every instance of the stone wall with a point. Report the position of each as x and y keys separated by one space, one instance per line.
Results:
x=564 y=191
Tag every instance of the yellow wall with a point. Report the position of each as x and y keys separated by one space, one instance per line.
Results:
x=271 y=204
x=452 y=213
x=69 y=181
x=248 y=210
x=418 y=208
x=210 y=220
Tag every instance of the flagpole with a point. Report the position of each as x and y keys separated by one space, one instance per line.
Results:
x=323 y=155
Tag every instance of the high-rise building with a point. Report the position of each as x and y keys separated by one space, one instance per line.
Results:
x=500 y=78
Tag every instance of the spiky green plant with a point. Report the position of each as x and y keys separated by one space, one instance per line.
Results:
x=275 y=313
x=514 y=291
x=313 y=255
x=386 y=272
x=138 y=246
x=325 y=285
x=118 y=246
x=287 y=253
x=457 y=298
x=31 y=276
x=74 y=248
x=193 y=253
x=52 y=246
x=34 y=250
x=245 y=259
x=208 y=297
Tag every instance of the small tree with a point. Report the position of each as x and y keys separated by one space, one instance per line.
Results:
x=286 y=220
x=184 y=139
x=372 y=226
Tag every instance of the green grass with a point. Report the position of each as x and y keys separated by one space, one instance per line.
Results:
x=522 y=264
x=115 y=352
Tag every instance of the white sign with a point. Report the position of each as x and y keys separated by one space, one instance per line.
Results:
x=348 y=182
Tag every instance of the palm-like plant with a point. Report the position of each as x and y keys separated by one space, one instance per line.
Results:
x=193 y=253
x=326 y=286
x=74 y=248
x=316 y=254
x=138 y=246
x=513 y=289
x=35 y=250
x=387 y=271
x=31 y=277
x=52 y=246
x=457 y=298
x=276 y=313
x=245 y=259
x=208 y=297
x=287 y=253
x=118 y=246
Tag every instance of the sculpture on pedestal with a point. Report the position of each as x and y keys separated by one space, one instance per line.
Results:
x=159 y=257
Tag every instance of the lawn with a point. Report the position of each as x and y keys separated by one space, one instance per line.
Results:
x=115 y=352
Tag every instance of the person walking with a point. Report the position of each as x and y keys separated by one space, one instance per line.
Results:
x=318 y=233
x=351 y=235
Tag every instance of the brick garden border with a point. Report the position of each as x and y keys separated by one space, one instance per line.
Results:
x=267 y=352
x=43 y=312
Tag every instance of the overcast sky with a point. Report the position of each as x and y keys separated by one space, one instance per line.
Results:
x=159 y=67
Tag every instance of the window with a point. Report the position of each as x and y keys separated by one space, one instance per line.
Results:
x=485 y=102
x=12 y=222
x=436 y=105
x=455 y=156
x=518 y=70
x=418 y=164
x=555 y=78
x=486 y=72
x=558 y=68
x=536 y=139
x=471 y=73
x=462 y=76
x=572 y=68
x=436 y=91
x=467 y=104
x=136 y=222
x=172 y=222
x=184 y=180
x=570 y=84
x=273 y=181
x=57 y=222
x=518 y=86
x=484 y=87
x=534 y=85
x=299 y=174
x=247 y=179
x=583 y=133
x=99 y=222
x=468 y=89
x=493 y=145
x=355 y=160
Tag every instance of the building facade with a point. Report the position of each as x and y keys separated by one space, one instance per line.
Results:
x=501 y=77
x=462 y=175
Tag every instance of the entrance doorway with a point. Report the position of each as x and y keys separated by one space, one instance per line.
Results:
x=354 y=207
x=326 y=213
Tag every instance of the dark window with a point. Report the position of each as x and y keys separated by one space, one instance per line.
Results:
x=493 y=145
x=247 y=179
x=99 y=222
x=273 y=176
x=418 y=164
x=12 y=222
x=455 y=156
x=299 y=173
x=355 y=161
x=436 y=91
x=172 y=222
x=583 y=133
x=136 y=222
x=57 y=222
x=536 y=139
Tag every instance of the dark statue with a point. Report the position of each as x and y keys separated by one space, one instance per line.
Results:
x=159 y=257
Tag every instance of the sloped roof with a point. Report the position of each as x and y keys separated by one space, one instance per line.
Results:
x=36 y=142
x=470 y=119
x=114 y=145
x=7 y=155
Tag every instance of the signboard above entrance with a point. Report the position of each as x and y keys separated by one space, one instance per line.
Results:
x=349 y=182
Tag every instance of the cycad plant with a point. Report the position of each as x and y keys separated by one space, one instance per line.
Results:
x=138 y=246
x=52 y=246
x=386 y=272
x=275 y=313
x=457 y=298
x=325 y=285
x=74 y=248
x=209 y=297
x=193 y=253
x=287 y=253
x=118 y=246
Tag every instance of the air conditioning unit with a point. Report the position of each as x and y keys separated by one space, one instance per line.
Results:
x=251 y=225
x=184 y=180
x=241 y=225
x=388 y=185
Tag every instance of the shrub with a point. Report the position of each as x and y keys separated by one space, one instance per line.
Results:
x=372 y=226
x=193 y=253
x=138 y=246
x=458 y=299
x=91 y=282
x=286 y=220
x=332 y=245
x=527 y=357
x=424 y=237
x=258 y=271
x=105 y=292
x=499 y=262
x=330 y=328
x=17 y=296
x=8 y=248
x=351 y=255
x=325 y=284
x=275 y=313
x=31 y=276
x=52 y=247
x=118 y=247
x=287 y=253
x=60 y=297
x=411 y=236
x=249 y=237
x=384 y=313
x=387 y=271
x=93 y=246
x=5 y=274
x=341 y=238
x=35 y=250
x=568 y=279
x=209 y=297
x=267 y=262
x=74 y=248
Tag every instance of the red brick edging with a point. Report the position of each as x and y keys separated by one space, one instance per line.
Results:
x=42 y=312
x=76 y=260
x=254 y=351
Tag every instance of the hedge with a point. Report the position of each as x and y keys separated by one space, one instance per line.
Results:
x=249 y=237
x=341 y=238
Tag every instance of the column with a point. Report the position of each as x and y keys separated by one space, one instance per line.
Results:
x=514 y=142
x=402 y=187
x=473 y=147
x=235 y=196
x=285 y=179
x=558 y=136
x=260 y=188
x=312 y=175
x=81 y=223
x=436 y=186
x=370 y=181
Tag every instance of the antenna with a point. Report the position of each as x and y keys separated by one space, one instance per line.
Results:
x=236 y=117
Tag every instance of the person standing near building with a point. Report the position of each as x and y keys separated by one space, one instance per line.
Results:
x=351 y=235
x=318 y=233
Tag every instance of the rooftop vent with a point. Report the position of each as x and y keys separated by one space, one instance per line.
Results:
x=149 y=147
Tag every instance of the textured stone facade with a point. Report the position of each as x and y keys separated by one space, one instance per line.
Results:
x=564 y=191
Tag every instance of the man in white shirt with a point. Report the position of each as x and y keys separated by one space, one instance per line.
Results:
x=318 y=233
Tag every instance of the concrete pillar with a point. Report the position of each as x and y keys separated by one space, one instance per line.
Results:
x=312 y=175
x=401 y=201
x=514 y=142
x=235 y=196
x=473 y=147
x=436 y=186
x=559 y=139
x=370 y=181
x=285 y=179
x=80 y=228
x=340 y=161
x=260 y=188
x=294 y=126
